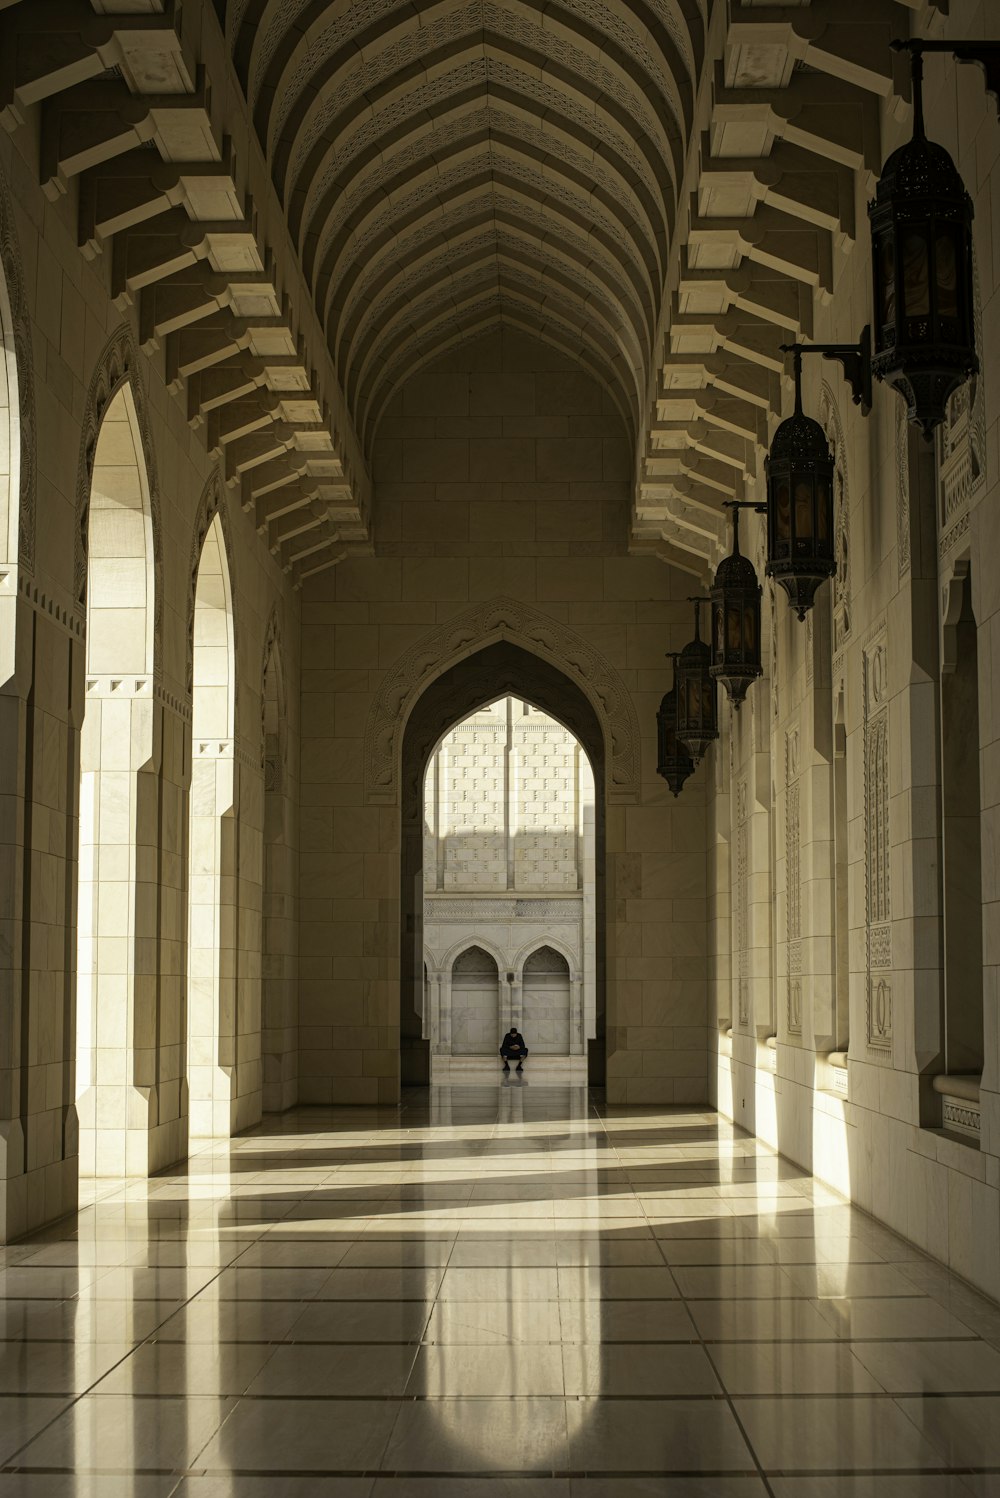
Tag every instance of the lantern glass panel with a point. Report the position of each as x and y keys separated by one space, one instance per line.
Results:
x=887 y=278
x=916 y=276
x=750 y=630
x=803 y=510
x=734 y=635
x=782 y=517
x=946 y=272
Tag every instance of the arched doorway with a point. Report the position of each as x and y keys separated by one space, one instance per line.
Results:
x=116 y=964
x=549 y=1014
x=494 y=671
x=212 y=910
x=475 y=1003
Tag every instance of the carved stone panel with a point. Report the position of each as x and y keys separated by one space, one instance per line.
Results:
x=743 y=901
x=878 y=905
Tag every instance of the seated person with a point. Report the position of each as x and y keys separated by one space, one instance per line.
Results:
x=513 y=1048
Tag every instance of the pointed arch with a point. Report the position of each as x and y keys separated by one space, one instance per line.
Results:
x=500 y=620
x=213 y=515
x=213 y=841
x=117 y=368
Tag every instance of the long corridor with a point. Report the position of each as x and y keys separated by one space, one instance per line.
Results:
x=500 y=1293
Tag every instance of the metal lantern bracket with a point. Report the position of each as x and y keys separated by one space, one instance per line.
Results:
x=744 y=504
x=855 y=359
x=987 y=54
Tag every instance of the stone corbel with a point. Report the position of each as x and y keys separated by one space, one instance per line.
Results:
x=52 y=45
x=774 y=239
x=228 y=381
x=225 y=424
x=793 y=180
x=769 y=295
x=274 y=505
x=137 y=185
x=834 y=119
x=847 y=39
x=157 y=248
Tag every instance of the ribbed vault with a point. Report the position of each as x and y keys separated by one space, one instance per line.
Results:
x=445 y=167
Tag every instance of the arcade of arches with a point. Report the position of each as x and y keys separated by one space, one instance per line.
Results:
x=365 y=365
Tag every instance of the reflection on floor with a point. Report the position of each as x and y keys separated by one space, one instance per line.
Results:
x=511 y=1294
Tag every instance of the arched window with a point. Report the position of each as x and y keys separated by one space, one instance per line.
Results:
x=116 y=1012
x=546 y=1021
x=475 y=1004
x=212 y=934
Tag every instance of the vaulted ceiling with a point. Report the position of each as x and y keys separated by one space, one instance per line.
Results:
x=445 y=167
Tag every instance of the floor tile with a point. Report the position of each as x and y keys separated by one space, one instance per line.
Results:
x=791 y=1368
x=301 y=1435
x=656 y=1435
x=448 y=1371
x=346 y=1370
x=480 y=1435
x=114 y=1433
x=832 y=1434
x=634 y=1369
x=963 y=1429
x=935 y=1367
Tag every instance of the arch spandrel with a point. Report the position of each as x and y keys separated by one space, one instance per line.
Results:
x=501 y=620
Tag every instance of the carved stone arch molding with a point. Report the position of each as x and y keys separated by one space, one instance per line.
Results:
x=10 y=259
x=502 y=619
x=118 y=365
x=212 y=503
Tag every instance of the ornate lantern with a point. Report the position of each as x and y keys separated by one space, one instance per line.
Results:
x=697 y=698
x=736 y=619
x=673 y=761
x=921 y=220
x=800 y=543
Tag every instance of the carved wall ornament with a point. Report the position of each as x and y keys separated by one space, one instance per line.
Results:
x=961 y=448
x=902 y=491
x=23 y=412
x=213 y=502
x=832 y=425
x=878 y=902
x=793 y=907
x=118 y=365
x=743 y=901
x=502 y=619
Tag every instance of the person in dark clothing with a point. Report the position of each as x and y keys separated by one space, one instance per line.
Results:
x=513 y=1048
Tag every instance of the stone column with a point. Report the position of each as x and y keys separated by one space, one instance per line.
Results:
x=443 y=1046
x=577 y=1025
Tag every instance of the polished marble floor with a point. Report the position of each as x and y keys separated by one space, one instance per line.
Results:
x=491 y=1293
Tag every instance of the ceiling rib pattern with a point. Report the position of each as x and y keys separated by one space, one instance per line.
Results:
x=445 y=167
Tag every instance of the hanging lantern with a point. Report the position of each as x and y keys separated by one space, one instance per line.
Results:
x=921 y=220
x=673 y=761
x=736 y=621
x=799 y=467
x=697 y=698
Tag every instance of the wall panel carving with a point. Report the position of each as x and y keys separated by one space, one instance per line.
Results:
x=878 y=904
